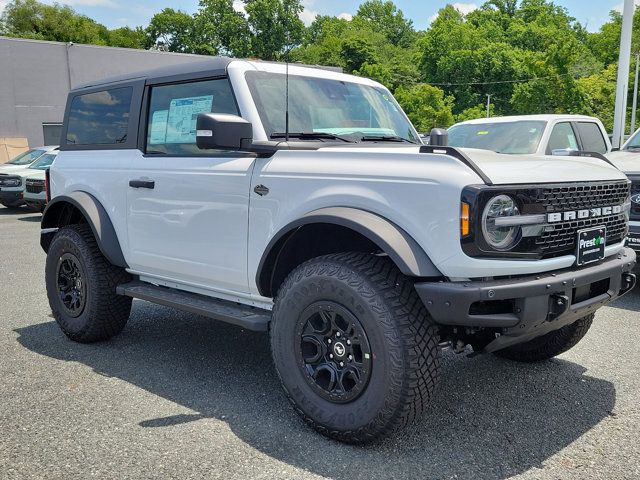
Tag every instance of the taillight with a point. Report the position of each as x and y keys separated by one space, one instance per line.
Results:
x=47 y=191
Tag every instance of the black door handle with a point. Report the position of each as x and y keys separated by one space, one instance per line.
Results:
x=150 y=184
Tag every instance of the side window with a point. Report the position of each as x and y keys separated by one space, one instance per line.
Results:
x=174 y=109
x=591 y=137
x=100 y=118
x=562 y=138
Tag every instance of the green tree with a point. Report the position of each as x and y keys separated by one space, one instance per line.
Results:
x=32 y=19
x=426 y=106
x=599 y=91
x=222 y=29
x=385 y=17
x=471 y=113
x=173 y=31
x=275 y=26
x=127 y=37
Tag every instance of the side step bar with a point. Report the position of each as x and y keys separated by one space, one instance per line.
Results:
x=243 y=316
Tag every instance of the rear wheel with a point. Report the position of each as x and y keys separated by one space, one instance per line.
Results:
x=354 y=347
x=550 y=345
x=81 y=286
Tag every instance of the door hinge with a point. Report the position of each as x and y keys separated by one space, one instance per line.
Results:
x=261 y=190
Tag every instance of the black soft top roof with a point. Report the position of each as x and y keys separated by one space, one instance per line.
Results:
x=188 y=70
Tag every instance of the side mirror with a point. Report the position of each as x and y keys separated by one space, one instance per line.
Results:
x=220 y=131
x=439 y=137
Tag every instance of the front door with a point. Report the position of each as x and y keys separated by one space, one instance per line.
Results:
x=188 y=208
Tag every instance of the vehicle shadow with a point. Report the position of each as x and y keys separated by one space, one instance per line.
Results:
x=491 y=418
x=32 y=218
x=12 y=211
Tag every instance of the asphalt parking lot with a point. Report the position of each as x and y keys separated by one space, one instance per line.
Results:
x=180 y=396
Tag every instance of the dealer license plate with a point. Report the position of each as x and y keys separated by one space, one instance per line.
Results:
x=591 y=243
x=633 y=240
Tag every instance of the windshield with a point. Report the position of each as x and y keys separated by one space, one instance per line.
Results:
x=334 y=108
x=44 y=162
x=518 y=137
x=27 y=157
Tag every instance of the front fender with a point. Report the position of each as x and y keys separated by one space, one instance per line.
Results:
x=403 y=250
x=63 y=210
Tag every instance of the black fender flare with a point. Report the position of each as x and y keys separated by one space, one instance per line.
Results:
x=403 y=250
x=96 y=217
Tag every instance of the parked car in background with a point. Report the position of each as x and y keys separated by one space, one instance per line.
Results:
x=627 y=159
x=12 y=186
x=532 y=134
x=35 y=196
x=25 y=159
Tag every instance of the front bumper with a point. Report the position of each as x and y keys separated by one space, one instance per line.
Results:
x=11 y=196
x=524 y=308
x=35 y=203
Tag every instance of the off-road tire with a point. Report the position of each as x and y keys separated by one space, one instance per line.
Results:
x=105 y=313
x=550 y=345
x=403 y=339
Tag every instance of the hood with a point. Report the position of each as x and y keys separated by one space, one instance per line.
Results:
x=21 y=171
x=502 y=169
x=626 y=160
x=6 y=168
x=505 y=169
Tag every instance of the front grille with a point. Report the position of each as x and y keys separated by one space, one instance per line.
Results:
x=560 y=239
x=578 y=196
x=34 y=186
x=635 y=198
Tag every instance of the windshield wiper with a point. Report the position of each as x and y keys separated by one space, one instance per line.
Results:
x=312 y=135
x=385 y=138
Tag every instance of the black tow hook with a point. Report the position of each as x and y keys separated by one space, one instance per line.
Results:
x=628 y=282
x=558 y=305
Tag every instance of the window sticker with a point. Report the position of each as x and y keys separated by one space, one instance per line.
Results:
x=159 y=127
x=182 y=116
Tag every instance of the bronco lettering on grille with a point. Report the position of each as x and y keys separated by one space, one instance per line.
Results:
x=582 y=214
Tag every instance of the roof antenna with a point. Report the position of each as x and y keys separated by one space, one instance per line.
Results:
x=286 y=59
x=286 y=115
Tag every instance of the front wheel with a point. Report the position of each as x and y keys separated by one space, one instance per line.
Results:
x=550 y=345
x=354 y=347
x=81 y=286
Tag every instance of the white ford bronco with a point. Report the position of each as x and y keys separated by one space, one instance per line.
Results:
x=300 y=201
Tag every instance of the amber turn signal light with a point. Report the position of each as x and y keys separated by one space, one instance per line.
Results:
x=464 y=219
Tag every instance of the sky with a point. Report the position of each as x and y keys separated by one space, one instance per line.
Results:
x=118 y=13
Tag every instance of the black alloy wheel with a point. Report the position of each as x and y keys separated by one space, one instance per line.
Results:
x=71 y=284
x=333 y=352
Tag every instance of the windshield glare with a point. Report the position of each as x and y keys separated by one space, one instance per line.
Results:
x=318 y=105
x=27 y=157
x=520 y=137
x=43 y=162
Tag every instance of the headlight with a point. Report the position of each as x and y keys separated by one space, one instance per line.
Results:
x=12 y=182
x=498 y=236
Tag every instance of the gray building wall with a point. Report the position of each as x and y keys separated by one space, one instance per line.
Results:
x=35 y=77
